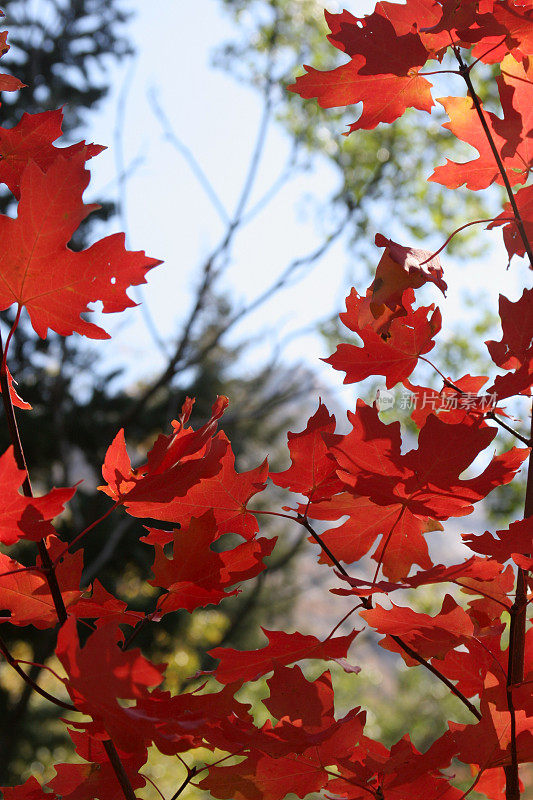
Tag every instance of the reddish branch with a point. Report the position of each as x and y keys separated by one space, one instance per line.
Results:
x=517 y=631
x=26 y=678
x=20 y=459
x=367 y=603
x=119 y=770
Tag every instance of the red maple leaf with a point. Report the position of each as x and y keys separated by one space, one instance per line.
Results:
x=192 y=719
x=40 y=272
x=382 y=72
x=401 y=268
x=17 y=401
x=511 y=135
x=419 y=16
x=400 y=496
x=506 y=17
x=26 y=517
x=515 y=350
x=426 y=479
x=468 y=668
x=175 y=464
x=292 y=755
x=511 y=235
x=399 y=773
x=430 y=637
x=32 y=139
x=26 y=595
x=30 y=790
x=402 y=543
x=488 y=743
x=127 y=676
x=101 y=604
x=516 y=345
x=196 y=575
x=7 y=82
x=226 y=493
x=312 y=471
x=282 y=648
x=96 y=778
x=393 y=354
x=518 y=538
x=452 y=405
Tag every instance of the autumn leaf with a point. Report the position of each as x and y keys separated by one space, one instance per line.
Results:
x=382 y=72
x=96 y=778
x=511 y=135
x=282 y=648
x=26 y=517
x=30 y=790
x=518 y=538
x=17 y=401
x=515 y=348
x=394 y=355
x=402 y=543
x=430 y=637
x=40 y=272
x=401 y=268
x=453 y=405
x=512 y=237
x=7 y=82
x=175 y=464
x=25 y=594
x=312 y=471
x=196 y=575
x=32 y=139
x=127 y=676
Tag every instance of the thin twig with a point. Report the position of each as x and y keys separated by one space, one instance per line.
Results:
x=20 y=459
x=191 y=774
x=185 y=151
x=515 y=671
x=121 y=176
x=35 y=686
x=83 y=533
x=421 y=660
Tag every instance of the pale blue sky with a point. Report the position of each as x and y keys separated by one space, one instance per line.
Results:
x=170 y=217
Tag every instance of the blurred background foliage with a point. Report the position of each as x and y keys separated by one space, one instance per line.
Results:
x=66 y=52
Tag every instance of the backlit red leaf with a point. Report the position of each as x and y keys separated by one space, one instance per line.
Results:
x=40 y=272
x=282 y=649
x=26 y=517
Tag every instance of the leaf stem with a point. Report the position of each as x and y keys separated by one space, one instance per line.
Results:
x=458 y=230
x=10 y=334
x=46 y=561
x=84 y=531
x=505 y=426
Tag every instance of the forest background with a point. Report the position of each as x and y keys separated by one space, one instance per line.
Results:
x=244 y=191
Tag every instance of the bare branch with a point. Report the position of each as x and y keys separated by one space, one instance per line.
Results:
x=121 y=177
x=185 y=151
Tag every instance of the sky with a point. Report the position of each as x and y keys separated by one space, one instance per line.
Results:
x=168 y=213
